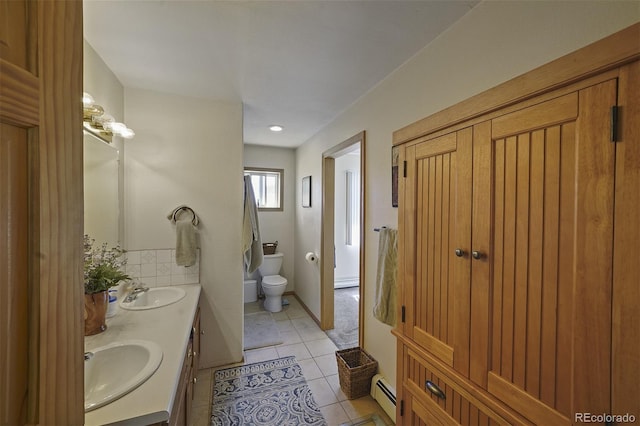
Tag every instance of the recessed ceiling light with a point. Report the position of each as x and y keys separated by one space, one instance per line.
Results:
x=276 y=128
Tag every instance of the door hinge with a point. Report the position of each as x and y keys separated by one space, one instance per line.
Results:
x=403 y=313
x=402 y=408
x=404 y=169
x=615 y=112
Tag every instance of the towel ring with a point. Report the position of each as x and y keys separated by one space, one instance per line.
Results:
x=185 y=208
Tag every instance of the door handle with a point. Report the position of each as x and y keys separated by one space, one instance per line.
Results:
x=434 y=389
x=459 y=252
x=477 y=254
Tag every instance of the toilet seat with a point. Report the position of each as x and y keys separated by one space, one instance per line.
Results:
x=273 y=280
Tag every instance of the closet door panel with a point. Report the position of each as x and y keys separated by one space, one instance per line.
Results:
x=550 y=267
x=432 y=173
x=432 y=268
x=551 y=206
x=566 y=255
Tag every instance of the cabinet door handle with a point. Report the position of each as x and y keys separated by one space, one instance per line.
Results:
x=459 y=252
x=195 y=380
x=434 y=389
x=476 y=254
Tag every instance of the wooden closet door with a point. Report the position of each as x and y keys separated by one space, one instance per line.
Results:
x=41 y=206
x=438 y=212
x=543 y=226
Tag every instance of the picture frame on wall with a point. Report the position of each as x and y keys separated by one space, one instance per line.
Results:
x=395 y=155
x=306 y=191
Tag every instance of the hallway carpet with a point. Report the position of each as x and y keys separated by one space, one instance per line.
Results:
x=345 y=331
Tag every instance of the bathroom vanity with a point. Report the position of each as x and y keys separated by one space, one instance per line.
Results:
x=165 y=397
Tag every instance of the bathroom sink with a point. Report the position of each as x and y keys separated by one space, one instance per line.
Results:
x=155 y=297
x=116 y=369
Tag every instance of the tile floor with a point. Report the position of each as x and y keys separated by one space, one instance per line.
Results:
x=315 y=353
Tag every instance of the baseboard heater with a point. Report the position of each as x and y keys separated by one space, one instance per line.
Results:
x=384 y=394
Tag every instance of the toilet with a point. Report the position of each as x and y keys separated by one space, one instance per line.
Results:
x=273 y=284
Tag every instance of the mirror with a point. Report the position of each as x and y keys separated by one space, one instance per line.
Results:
x=101 y=198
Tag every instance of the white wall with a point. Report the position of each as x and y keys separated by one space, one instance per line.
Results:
x=277 y=225
x=494 y=42
x=189 y=151
x=347 y=256
x=106 y=89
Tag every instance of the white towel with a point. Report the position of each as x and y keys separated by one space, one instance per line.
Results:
x=385 y=303
x=186 y=221
x=251 y=242
x=185 y=242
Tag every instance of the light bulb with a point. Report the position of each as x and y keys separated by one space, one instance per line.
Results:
x=87 y=100
x=127 y=133
x=117 y=127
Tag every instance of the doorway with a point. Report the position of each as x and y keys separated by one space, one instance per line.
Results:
x=342 y=243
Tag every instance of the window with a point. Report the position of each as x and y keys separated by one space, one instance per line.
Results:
x=268 y=187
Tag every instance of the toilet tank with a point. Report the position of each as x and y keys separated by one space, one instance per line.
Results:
x=271 y=264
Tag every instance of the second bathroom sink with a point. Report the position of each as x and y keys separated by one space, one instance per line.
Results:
x=116 y=369
x=155 y=297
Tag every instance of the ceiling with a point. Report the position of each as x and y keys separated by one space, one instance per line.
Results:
x=295 y=63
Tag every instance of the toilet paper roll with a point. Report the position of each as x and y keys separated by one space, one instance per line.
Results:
x=311 y=257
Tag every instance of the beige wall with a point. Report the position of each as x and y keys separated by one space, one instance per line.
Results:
x=494 y=42
x=189 y=151
x=277 y=225
x=175 y=158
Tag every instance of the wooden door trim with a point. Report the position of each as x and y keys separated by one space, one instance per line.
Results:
x=327 y=242
x=611 y=52
x=327 y=238
x=59 y=313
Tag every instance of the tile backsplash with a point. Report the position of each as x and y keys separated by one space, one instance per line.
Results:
x=157 y=268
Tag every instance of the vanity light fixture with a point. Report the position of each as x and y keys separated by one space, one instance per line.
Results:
x=100 y=124
x=276 y=128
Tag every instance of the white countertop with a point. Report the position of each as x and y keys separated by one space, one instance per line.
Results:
x=169 y=327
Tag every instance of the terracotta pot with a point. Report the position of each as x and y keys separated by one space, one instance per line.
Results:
x=95 y=307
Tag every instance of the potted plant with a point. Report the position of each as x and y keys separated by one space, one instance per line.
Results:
x=103 y=269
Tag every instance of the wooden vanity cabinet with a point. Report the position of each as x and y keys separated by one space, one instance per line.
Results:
x=181 y=411
x=510 y=302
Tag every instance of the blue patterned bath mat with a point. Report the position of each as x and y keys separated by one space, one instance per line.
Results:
x=270 y=393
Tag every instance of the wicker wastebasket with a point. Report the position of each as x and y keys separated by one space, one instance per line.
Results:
x=355 y=370
x=269 y=248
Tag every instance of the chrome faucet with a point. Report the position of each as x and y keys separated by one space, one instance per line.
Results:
x=135 y=292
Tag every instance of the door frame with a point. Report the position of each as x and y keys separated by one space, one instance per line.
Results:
x=327 y=239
